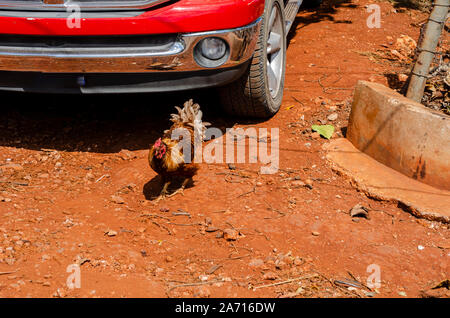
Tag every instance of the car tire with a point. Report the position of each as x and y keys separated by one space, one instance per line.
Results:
x=258 y=93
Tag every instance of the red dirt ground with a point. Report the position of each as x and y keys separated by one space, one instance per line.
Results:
x=68 y=155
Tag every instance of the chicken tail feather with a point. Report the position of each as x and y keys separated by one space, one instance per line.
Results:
x=191 y=115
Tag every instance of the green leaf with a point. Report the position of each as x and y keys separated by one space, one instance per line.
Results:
x=325 y=131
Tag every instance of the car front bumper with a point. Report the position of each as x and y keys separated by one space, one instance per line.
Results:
x=62 y=55
x=155 y=65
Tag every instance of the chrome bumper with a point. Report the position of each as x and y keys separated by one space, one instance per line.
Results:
x=177 y=56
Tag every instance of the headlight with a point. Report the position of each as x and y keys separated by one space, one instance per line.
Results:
x=211 y=52
x=213 y=48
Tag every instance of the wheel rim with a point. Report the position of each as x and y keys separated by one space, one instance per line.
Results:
x=275 y=52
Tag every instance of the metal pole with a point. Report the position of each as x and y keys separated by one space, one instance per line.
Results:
x=427 y=49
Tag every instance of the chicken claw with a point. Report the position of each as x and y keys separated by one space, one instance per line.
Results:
x=163 y=194
x=180 y=190
x=159 y=198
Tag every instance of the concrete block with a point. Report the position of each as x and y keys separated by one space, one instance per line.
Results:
x=401 y=134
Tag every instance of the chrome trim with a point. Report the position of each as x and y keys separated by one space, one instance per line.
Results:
x=179 y=57
x=107 y=5
x=84 y=52
x=85 y=14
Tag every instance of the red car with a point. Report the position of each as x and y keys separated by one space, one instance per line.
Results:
x=115 y=46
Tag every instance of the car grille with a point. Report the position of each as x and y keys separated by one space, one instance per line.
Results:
x=156 y=40
x=89 y=46
x=61 y=5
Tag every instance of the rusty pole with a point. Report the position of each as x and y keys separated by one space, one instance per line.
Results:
x=427 y=49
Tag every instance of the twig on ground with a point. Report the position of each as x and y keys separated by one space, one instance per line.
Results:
x=213 y=269
x=181 y=224
x=220 y=211
x=326 y=278
x=155 y=216
x=326 y=89
x=274 y=210
x=181 y=212
x=234 y=228
x=234 y=248
x=261 y=233
x=237 y=257
x=163 y=227
x=99 y=179
x=15 y=183
x=354 y=278
x=7 y=273
x=231 y=258
x=227 y=179
x=248 y=192
x=286 y=281
x=290 y=170
x=298 y=101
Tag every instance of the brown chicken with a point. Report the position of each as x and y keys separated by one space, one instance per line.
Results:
x=174 y=158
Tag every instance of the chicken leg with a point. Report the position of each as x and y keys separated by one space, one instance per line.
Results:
x=181 y=189
x=163 y=194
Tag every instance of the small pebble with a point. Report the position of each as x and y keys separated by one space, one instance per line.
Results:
x=203 y=278
x=332 y=117
x=111 y=233
x=230 y=234
x=309 y=183
x=270 y=276
x=117 y=199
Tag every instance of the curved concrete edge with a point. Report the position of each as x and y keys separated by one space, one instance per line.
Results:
x=383 y=183
x=400 y=133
